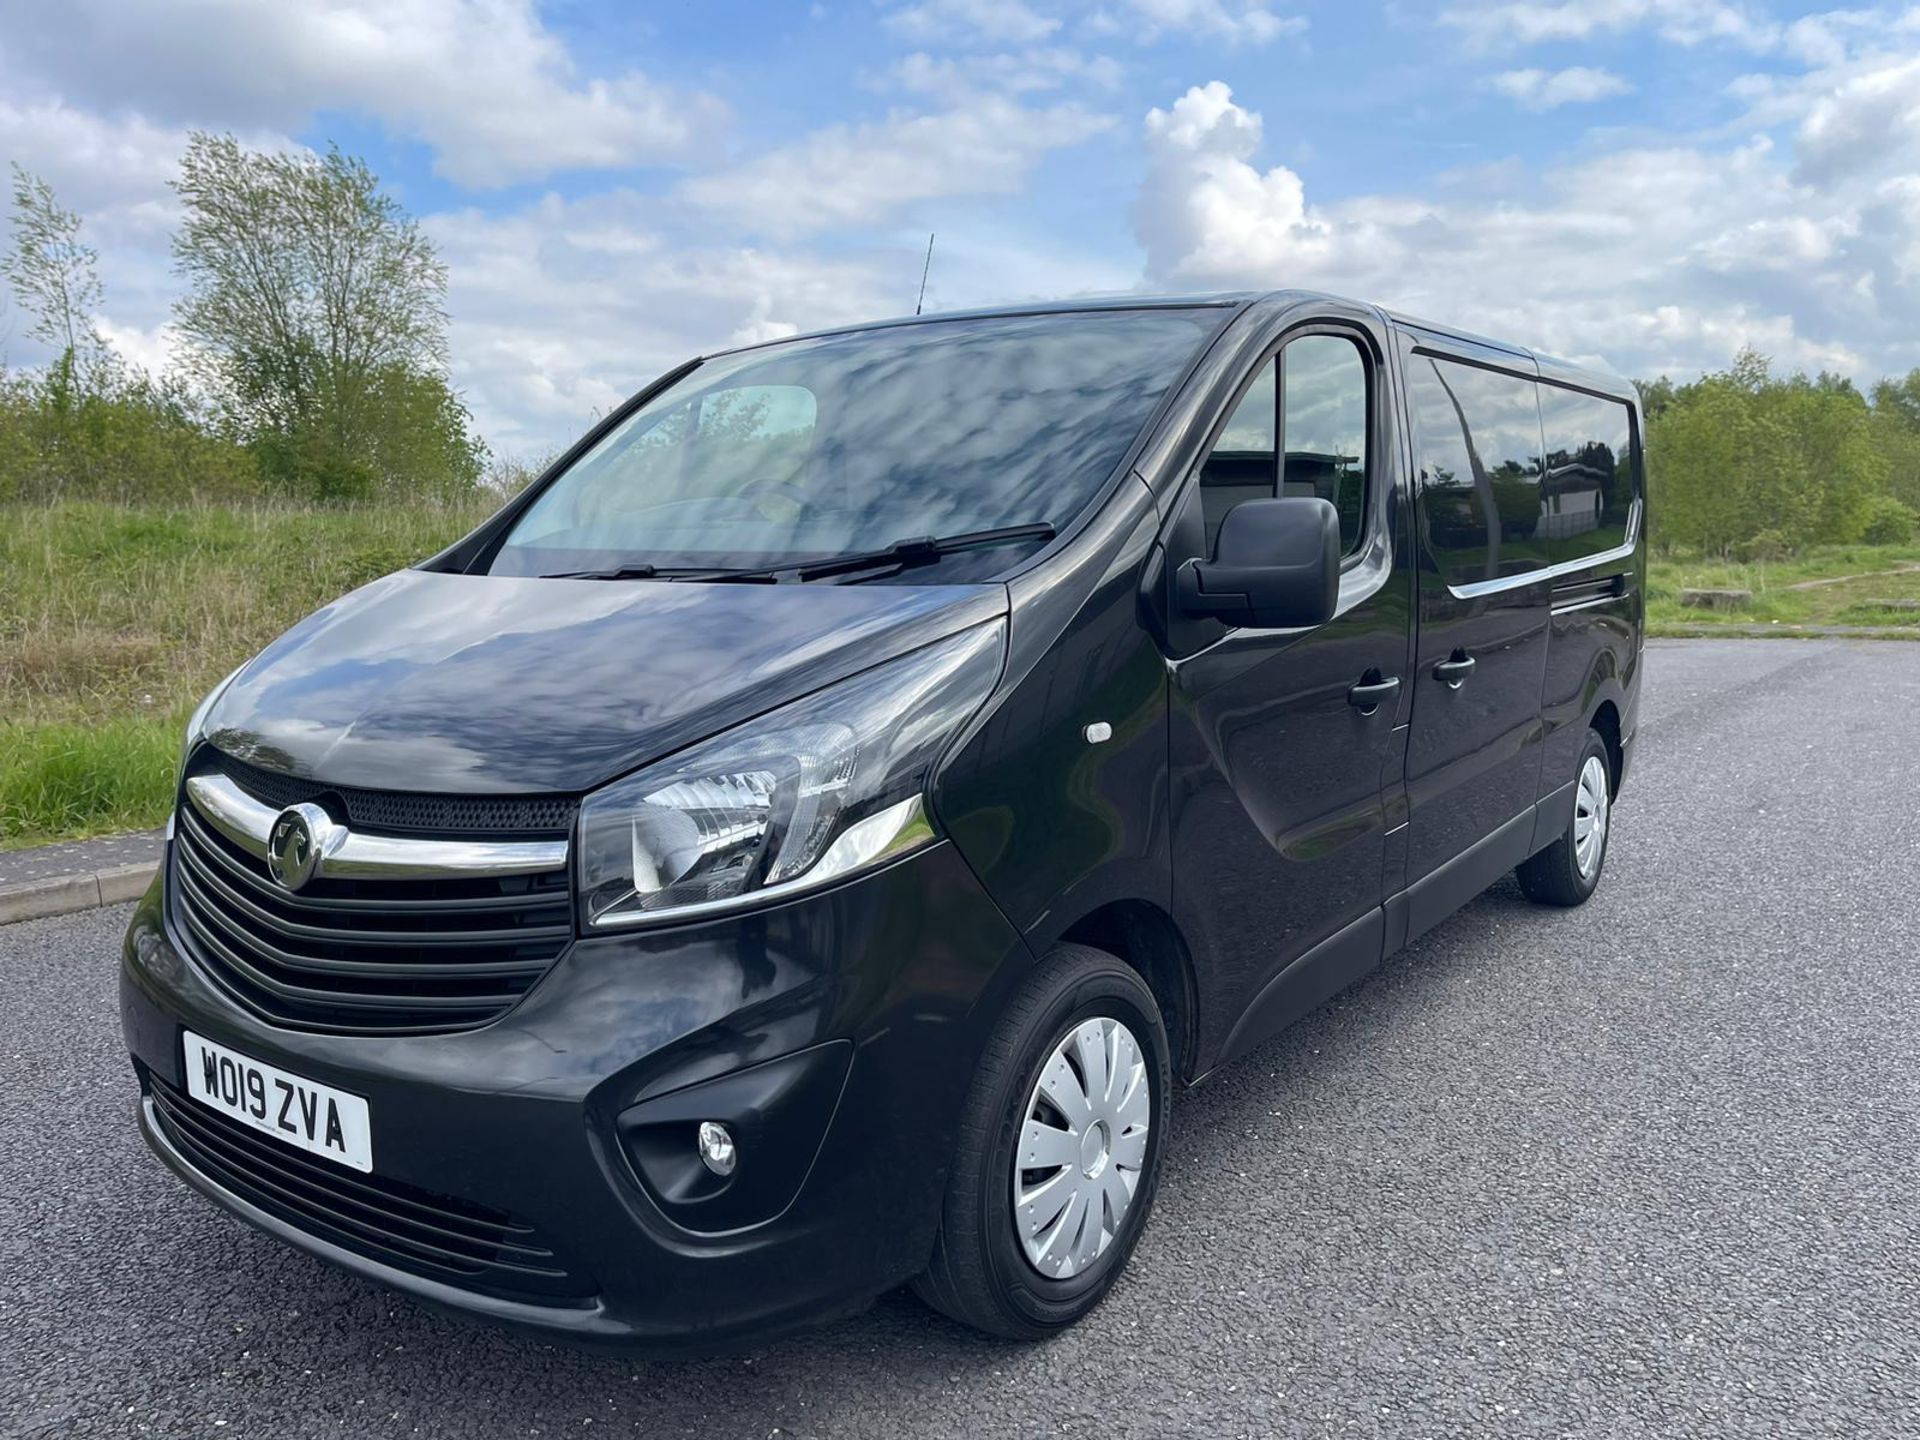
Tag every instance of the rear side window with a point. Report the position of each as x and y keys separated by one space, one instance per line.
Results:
x=1478 y=438
x=1588 y=495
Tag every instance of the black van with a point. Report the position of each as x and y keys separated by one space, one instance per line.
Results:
x=798 y=846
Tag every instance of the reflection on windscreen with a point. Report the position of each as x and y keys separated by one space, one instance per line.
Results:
x=850 y=442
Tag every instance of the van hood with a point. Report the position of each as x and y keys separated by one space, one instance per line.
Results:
x=493 y=684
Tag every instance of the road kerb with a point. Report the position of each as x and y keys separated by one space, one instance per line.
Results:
x=65 y=894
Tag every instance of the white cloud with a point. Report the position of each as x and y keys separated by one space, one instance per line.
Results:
x=1011 y=22
x=1505 y=24
x=1661 y=257
x=484 y=83
x=1016 y=22
x=853 y=175
x=1205 y=213
x=1232 y=21
x=563 y=308
x=956 y=79
x=1864 y=121
x=1548 y=89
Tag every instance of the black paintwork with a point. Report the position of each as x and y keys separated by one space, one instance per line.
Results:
x=479 y=683
x=1274 y=811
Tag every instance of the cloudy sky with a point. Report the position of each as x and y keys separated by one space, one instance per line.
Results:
x=614 y=186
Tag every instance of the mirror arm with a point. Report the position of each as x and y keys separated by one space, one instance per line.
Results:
x=1202 y=587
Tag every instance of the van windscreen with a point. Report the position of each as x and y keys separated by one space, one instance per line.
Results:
x=850 y=442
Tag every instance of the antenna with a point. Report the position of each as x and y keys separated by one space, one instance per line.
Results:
x=923 y=277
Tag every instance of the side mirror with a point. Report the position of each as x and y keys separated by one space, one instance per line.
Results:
x=1276 y=566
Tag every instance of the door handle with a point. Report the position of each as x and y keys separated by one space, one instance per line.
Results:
x=1368 y=695
x=1454 y=670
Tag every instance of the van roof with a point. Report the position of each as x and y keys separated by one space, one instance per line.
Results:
x=1602 y=380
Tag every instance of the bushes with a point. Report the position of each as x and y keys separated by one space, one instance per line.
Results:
x=126 y=437
x=1745 y=462
x=1888 y=522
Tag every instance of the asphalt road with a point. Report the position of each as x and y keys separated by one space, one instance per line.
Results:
x=1645 y=1169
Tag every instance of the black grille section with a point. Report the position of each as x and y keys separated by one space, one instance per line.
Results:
x=360 y=956
x=436 y=1236
x=404 y=814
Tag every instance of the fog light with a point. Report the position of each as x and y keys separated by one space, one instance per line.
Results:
x=716 y=1148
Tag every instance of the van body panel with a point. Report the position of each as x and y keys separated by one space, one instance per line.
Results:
x=1474 y=751
x=1280 y=802
x=461 y=683
x=1224 y=807
x=1077 y=657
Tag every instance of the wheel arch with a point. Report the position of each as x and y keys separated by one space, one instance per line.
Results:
x=1145 y=936
x=1606 y=721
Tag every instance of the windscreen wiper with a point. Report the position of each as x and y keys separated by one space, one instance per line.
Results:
x=918 y=550
x=639 y=570
x=618 y=572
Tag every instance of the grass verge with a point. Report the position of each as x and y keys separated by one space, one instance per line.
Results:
x=114 y=621
x=1781 y=596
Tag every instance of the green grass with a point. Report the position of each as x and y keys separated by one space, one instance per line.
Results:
x=1776 y=603
x=114 y=621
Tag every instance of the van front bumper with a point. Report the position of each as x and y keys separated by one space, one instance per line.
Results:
x=540 y=1171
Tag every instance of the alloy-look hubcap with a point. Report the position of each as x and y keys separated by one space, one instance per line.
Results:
x=1083 y=1142
x=1590 y=817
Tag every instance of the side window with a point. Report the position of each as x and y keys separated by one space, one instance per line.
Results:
x=1478 y=440
x=1588 y=494
x=1325 y=420
x=1242 y=464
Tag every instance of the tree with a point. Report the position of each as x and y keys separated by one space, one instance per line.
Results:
x=1896 y=431
x=1746 y=460
x=53 y=278
x=315 y=310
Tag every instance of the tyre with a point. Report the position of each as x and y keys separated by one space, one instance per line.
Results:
x=1568 y=871
x=1059 y=1151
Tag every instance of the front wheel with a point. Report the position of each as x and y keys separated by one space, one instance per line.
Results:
x=1568 y=871
x=1059 y=1151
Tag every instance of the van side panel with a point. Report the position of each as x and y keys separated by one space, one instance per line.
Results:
x=1474 y=757
x=1596 y=501
x=1054 y=823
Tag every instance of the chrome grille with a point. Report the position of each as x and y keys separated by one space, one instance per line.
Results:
x=363 y=953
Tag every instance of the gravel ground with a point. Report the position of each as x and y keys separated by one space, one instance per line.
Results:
x=1648 y=1169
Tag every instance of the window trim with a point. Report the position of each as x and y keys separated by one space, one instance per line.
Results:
x=1559 y=569
x=1563 y=568
x=1371 y=362
x=1369 y=401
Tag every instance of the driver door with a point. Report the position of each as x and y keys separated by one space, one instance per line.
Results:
x=1279 y=773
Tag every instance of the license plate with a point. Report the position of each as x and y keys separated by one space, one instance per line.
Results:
x=317 y=1118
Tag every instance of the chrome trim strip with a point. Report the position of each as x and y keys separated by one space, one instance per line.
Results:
x=1586 y=604
x=247 y=822
x=233 y=812
x=1555 y=572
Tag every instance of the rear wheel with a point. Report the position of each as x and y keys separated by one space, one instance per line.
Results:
x=1059 y=1151
x=1568 y=871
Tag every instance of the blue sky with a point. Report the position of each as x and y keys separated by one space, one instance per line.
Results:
x=1650 y=183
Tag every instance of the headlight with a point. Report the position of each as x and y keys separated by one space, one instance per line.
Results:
x=813 y=791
